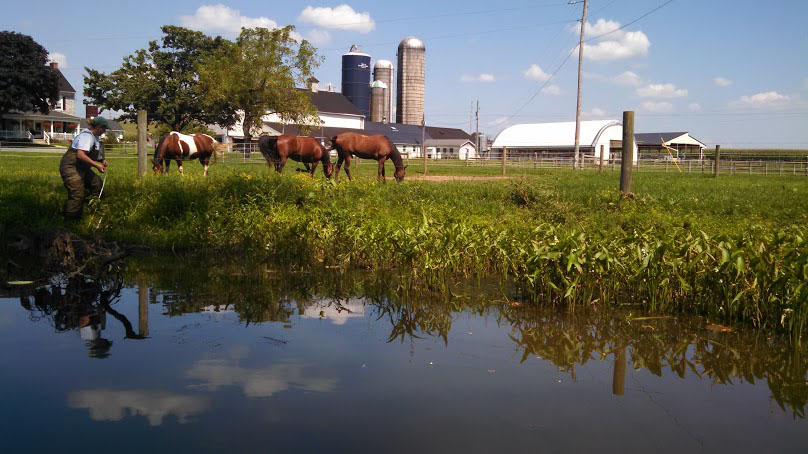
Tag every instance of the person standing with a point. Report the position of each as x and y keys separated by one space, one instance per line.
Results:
x=84 y=153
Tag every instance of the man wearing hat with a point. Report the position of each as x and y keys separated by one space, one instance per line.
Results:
x=85 y=152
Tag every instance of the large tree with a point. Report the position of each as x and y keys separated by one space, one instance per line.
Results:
x=162 y=80
x=258 y=75
x=27 y=83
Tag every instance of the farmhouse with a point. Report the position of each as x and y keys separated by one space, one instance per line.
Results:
x=682 y=142
x=407 y=138
x=559 y=138
x=449 y=143
x=61 y=123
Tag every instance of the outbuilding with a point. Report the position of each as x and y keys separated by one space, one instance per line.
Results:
x=559 y=138
x=682 y=142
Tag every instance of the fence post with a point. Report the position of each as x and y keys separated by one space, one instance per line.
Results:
x=504 y=157
x=717 y=159
x=600 y=168
x=142 y=309
x=628 y=152
x=141 y=143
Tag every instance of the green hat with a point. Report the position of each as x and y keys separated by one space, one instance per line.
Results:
x=99 y=121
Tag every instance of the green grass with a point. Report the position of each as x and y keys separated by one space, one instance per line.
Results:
x=732 y=248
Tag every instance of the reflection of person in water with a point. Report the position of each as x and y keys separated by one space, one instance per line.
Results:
x=83 y=307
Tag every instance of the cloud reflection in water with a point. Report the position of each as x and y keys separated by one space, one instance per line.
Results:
x=114 y=405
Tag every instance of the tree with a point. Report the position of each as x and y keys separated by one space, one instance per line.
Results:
x=26 y=81
x=258 y=75
x=163 y=81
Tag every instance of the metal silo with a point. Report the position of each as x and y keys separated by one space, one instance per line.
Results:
x=356 y=79
x=383 y=71
x=378 y=98
x=410 y=84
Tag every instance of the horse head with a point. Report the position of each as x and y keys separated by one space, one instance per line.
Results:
x=157 y=166
x=400 y=172
x=328 y=170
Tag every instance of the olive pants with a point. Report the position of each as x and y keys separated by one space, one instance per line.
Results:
x=78 y=179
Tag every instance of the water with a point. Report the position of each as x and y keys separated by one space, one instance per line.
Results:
x=199 y=358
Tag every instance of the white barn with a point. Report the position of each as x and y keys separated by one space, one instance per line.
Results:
x=560 y=137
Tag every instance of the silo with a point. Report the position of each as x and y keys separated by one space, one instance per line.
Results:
x=378 y=98
x=410 y=84
x=383 y=71
x=356 y=79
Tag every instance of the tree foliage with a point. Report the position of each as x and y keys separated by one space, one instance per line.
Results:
x=26 y=82
x=162 y=80
x=258 y=75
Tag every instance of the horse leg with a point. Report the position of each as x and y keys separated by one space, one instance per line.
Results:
x=340 y=159
x=281 y=163
x=205 y=161
x=179 y=164
x=168 y=164
x=348 y=166
x=313 y=167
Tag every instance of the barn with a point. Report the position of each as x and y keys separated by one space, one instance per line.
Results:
x=682 y=142
x=559 y=139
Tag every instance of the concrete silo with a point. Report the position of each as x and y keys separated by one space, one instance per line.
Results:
x=383 y=71
x=410 y=84
x=378 y=98
x=356 y=79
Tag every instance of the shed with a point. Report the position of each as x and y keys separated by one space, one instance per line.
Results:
x=560 y=138
x=682 y=142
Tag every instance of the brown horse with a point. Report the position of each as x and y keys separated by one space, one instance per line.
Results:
x=376 y=147
x=308 y=150
x=178 y=146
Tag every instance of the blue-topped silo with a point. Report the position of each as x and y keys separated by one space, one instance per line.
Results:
x=356 y=79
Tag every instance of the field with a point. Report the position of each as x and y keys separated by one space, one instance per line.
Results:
x=731 y=248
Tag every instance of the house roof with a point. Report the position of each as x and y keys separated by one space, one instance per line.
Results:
x=397 y=132
x=52 y=115
x=64 y=85
x=439 y=133
x=326 y=131
x=332 y=102
x=653 y=138
x=552 y=134
x=113 y=125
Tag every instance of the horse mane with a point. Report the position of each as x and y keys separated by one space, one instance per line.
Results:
x=326 y=158
x=157 y=150
x=395 y=155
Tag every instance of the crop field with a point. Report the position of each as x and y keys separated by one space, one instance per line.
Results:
x=732 y=248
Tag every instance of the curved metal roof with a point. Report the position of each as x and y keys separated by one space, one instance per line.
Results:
x=411 y=42
x=552 y=134
x=385 y=64
x=378 y=84
x=355 y=51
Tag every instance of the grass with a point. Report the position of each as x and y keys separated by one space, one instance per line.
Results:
x=733 y=248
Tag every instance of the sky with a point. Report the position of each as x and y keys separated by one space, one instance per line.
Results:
x=730 y=72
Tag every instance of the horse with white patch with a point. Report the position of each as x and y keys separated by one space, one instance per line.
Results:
x=178 y=146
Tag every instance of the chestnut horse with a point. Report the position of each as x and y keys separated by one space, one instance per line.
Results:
x=308 y=150
x=376 y=147
x=177 y=146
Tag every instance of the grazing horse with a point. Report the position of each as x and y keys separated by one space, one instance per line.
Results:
x=376 y=147
x=308 y=150
x=179 y=146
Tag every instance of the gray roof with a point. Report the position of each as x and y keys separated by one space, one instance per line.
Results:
x=53 y=115
x=439 y=133
x=332 y=102
x=398 y=133
x=653 y=138
x=64 y=85
x=326 y=131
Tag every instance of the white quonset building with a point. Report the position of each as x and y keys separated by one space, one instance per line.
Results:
x=560 y=138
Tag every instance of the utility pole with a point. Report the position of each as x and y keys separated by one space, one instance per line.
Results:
x=423 y=141
x=575 y=164
x=477 y=115
x=471 y=118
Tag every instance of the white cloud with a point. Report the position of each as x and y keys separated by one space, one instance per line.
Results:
x=554 y=90
x=616 y=45
x=722 y=82
x=534 y=72
x=114 y=405
x=214 y=374
x=338 y=314
x=498 y=121
x=318 y=36
x=762 y=99
x=694 y=107
x=227 y=21
x=627 y=78
x=59 y=58
x=342 y=17
x=481 y=78
x=595 y=112
x=657 y=106
x=661 y=91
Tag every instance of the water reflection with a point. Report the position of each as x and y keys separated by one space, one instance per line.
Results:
x=155 y=406
x=213 y=374
x=81 y=304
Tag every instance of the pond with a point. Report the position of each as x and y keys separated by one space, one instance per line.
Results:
x=179 y=355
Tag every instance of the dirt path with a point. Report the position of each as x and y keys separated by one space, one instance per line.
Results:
x=459 y=177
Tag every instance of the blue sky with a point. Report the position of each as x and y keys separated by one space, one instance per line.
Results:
x=732 y=72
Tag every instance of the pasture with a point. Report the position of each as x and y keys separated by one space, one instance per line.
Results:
x=732 y=248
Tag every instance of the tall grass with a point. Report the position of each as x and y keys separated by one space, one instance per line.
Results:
x=734 y=249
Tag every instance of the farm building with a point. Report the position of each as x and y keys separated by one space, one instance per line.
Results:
x=449 y=143
x=407 y=138
x=682 y=142
x=559 y=138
